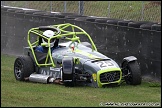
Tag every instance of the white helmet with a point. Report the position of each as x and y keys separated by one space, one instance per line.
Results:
x=48 y=34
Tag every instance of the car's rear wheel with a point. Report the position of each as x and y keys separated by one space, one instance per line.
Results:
x=23 y=67
x=131 y=72
x=68 y=71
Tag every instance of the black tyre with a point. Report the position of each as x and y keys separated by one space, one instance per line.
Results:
x=59 y=16
x=31 y=11
x=114 y=21
x=5 y=8
x=49 y=14
x=156 y=27
x=73 y=16
x=39 y=13
x=23 y=67
x=137 y=24
x=131 y=72
x=147 y=26
x=91 y=18
x=124 y=23
x=68 y=13
x=101 y=20
x=68 y=71
x=13 y=10
x=80 y=18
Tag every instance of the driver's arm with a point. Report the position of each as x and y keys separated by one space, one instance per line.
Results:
x=39 y=49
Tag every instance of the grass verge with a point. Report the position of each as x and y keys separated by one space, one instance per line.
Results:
x=27 y=94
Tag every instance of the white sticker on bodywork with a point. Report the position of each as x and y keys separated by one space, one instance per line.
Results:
x=105 y=64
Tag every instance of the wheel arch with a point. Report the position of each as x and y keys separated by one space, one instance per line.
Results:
x=131 y=70
x=128 y=59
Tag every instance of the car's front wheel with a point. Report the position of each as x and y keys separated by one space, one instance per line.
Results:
x=68 y=71
x=131 y=72
x=23 y=67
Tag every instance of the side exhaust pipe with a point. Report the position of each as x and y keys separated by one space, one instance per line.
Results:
x=41 y=78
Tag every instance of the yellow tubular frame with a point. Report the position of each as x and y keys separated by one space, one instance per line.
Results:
x=62 y=33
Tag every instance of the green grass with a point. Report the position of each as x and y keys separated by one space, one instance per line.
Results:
x=130 y=10
x=28 y=94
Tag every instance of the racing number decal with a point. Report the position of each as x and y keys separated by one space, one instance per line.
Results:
x=104 y=64
x=109 y=63
x=101 y=64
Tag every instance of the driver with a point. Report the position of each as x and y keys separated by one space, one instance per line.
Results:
x=53 y=42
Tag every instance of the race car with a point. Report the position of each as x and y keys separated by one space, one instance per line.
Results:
x=74 y=60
